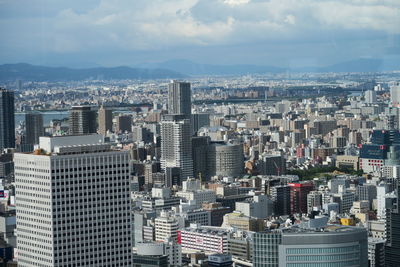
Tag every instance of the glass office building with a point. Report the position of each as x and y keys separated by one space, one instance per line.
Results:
x=330 y=246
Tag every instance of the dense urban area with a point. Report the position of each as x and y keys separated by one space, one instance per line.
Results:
x=292 y=169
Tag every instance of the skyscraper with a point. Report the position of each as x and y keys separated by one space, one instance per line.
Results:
x=73 y=203
x=395 y=95
x=123 y=124
x=33 y=127
x=176 y=147
x=82 y=120
x=105 y=120
x=7 y=122
x=180 y=98
x=392 y=248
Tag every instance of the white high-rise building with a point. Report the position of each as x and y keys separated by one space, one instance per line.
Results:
x=176 y=145
x=73 y=205
x=167 y=226
x=395 y=95
x=370 y=96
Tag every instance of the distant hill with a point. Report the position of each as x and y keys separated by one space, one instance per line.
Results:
x=196 y=69
x=29 y=72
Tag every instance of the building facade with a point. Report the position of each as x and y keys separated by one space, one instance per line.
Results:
x=73 y=204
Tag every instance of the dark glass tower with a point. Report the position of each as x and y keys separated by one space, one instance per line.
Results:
x=7 y=121
x=392 y=248
x=180 y=98
x=82 y=120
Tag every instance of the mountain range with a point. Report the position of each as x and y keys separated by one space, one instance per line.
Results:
x=23 y=71
x=178 y=69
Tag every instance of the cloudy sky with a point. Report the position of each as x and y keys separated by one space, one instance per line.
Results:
x=264 y=32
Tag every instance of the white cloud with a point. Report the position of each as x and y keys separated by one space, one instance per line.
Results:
x=155 y=24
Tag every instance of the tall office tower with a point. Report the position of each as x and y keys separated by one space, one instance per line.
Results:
x=176 y=147
x=82 y=120
x=7 y=121
x=200 y=146
x=33 y=127
x=200 y=120
x=392 y=248
x=180 y=98
x=370 y=96
x=298 y=196
x=105 y=120
x=280 y=195
x=123 y=124
x=73 y=203
x=395 y=95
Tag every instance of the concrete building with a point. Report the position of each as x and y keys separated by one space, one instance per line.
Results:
x=82 y=120
x=280 y=195
x=242 y=222
x=273 y=165
x=105 y=120
x=225 y=159
x=240 y=245
x=204 y=238
x=347 y=162
x=176 y=147
x=7 y=121
x=180 y=99
x=298 y=196
x=314 y=201
x=33 y=128
x=335 y=246
x=167 y=248
x=123 y=123
x=167 y=226
x=60 y=187
x=200 y=146
x=395 y=95
x=376 y=252
x=392 y=248
x=259 y=207
x=370 y=97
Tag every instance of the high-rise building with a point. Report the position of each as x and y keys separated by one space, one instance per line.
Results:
x=123 y=124
x=334 y=246
x=105 y=120
x=33 y=128
x=180 y=98
x=225 y=159
x=167 y=226
x=280 y=195
x=200 y=120
x=370 y=96
x=200 y=146
x=314 y=201
x=176 y=147
x=298 y=196
x=73 y=203
x=82 y=120
x=392 y=248
x=395 y=95
x=7 y=121
x=273 y=164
